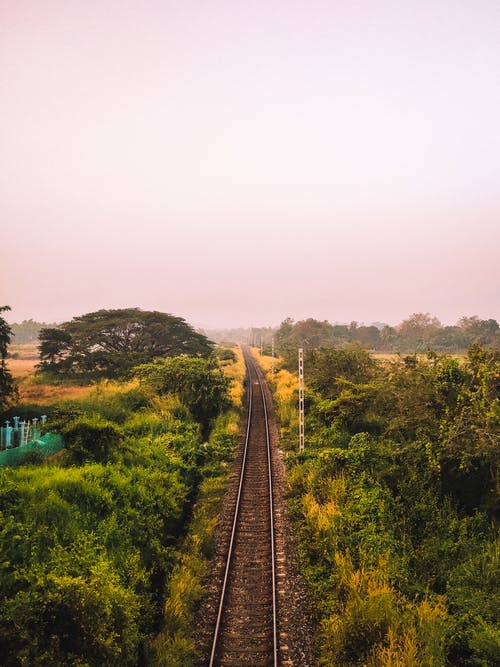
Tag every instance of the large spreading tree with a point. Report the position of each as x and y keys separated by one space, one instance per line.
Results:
x=108 y=343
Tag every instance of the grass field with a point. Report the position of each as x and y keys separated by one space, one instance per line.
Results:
x=22 y=367
x=385 y=356
x=24 y=350
x=35 y=392
x=23 y=360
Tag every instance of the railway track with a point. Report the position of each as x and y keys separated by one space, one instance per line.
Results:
x=246 y=625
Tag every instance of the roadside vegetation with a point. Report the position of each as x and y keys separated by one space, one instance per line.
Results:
x=104 y=546
x=175 y=645
x=395 y=501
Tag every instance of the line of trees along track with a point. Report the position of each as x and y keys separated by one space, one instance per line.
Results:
x=245 y=632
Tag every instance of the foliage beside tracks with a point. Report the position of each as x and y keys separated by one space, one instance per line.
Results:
x=175 y=645
x=396 y=502
x=199 y=383
x=89 y=543
x=235 y=370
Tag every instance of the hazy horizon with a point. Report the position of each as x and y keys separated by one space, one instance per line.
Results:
x=235 y=327
x=236 y=164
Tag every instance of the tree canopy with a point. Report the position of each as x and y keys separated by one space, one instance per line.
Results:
x=420 y=333
x=108 y=343
x=6 y=380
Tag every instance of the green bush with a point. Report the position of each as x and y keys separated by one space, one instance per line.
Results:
x=91 y=439
x=224 y=354
x=89 y=543
x=200 y=385
x=395 y=500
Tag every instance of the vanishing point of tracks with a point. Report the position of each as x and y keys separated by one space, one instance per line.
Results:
x=246 y=625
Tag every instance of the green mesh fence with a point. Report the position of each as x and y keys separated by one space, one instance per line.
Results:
x=48 y=444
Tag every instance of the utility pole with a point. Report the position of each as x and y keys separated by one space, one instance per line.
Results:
x=261 y=345
x=272 y=355
x=301 y=399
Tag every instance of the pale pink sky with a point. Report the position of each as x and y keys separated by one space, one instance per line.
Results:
x=238 y=162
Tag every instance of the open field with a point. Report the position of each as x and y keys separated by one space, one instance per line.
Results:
x=22 y=367
x=34 y=392
x=23 y=360
x=24 y=350
x=385 y=356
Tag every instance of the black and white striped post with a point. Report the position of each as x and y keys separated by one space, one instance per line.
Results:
x=301 y=399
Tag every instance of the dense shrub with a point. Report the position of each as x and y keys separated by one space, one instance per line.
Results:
x=198 y=383
x=395 y=499
x=89 y=542
x=91 y=439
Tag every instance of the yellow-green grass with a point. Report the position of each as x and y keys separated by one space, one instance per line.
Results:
x=284 y=385
x=175 y=645
x=386 y=356
x=395 y=356
x=22 y=364
x=236 y=372
x=44 y=394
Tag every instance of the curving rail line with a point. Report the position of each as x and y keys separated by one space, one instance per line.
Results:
x=246 y=626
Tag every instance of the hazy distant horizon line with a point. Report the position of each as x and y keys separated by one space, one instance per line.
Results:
x=379 y=323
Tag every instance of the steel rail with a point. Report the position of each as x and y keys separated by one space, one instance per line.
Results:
x=271 y=514
x=236 y=516
x=235 y=521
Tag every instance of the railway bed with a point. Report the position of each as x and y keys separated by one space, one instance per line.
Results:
x=257 y=610
x=246 y=626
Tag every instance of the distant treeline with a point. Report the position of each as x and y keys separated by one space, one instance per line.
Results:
x=236 y=335
x=419 y=333
x=27 y=331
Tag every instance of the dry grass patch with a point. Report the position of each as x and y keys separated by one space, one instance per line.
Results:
x=386 y=356
x=398 y=356
x=23 y=360
x=21 y=368
x=24 y=350
x=31 y=392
